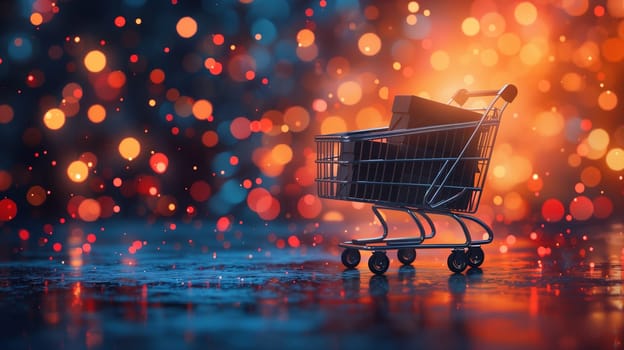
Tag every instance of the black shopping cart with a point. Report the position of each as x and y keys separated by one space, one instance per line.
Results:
x=432 y=160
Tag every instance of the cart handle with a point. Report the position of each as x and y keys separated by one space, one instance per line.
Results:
x=507 y=93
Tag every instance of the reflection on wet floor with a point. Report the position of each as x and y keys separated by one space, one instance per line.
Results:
x=187 y=298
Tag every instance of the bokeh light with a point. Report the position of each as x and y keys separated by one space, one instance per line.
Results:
x=54 y=118
x=78 y=171
x=186 y=27
x=95 y=61
x=129 y=148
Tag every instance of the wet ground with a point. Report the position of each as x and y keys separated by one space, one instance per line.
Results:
x=176 y=292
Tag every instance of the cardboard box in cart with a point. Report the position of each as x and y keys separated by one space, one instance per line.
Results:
x=400 y=169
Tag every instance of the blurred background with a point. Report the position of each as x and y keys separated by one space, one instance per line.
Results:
x=204 y=112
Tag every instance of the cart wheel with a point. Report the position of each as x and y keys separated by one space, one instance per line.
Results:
x=457 y=261
x=350 y=257
x=475 y=256
x=406 y=255
x=378 y=263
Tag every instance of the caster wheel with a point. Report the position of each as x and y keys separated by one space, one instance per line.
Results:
x=350 y=257
x=406 y=255
x=457 y=261
x=378 y=263
x=475 y=256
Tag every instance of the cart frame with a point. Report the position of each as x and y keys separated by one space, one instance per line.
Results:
x=439 y=196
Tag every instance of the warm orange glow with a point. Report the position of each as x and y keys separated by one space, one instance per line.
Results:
x=349 y=93
x=470 y=26
x=202 y=109
x=36 y=18
x=96 y=113
x=54 y=118
x=78 y=171
x=95 y=61
x=615 y=159
x=186 y=27
x=282 y=153
x=369 y=44
x=333 y=124
x=607 y=100
x=440 y=60
x=525 y=13
x=89 y=210
x=305 y=38
x=297 y=118
x=129 y=148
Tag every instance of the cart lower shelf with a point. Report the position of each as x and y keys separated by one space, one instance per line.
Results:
x=465 y=254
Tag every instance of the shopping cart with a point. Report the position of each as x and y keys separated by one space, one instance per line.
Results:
x=432 y=160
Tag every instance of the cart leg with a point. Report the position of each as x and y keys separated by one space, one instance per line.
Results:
x=432 y=232
x=384 y=224
x=488 y=230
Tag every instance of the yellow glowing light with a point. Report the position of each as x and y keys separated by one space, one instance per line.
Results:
x=95 y=61
x=549 y=123
x=282 y=154
x=572 y=82
x=489 y=57
x=383 y=93
x=497 y=200
x=151 y=102
x=440 y=60
x=96 y=113
x=615 y=159
x=598 y=139
x=186 y=27
x=129 y=148
x=349 y=93
x=531 y=54
x=36 y=18
x=369 y=44
x=202 y=109
x=333 y=124
x=492 y=24
x=509 y=44
x=525 y=13
x=499 y=171
x=370 y=117
x=413 y=6
x=78 y=171
x=54 y=119
x=411 y=19
x=305 y=38
x=470 y=26
x=607 y=100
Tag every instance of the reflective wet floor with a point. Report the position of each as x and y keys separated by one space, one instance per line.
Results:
x=189 y=294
